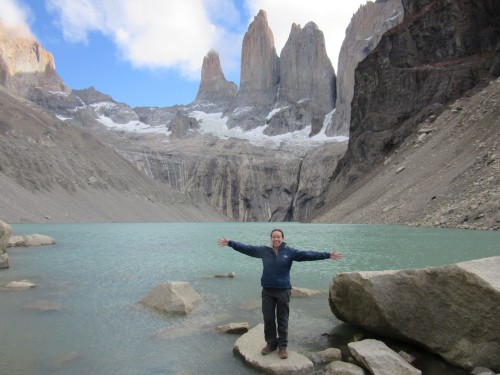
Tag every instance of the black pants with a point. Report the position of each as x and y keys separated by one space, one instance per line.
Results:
x=275 y=308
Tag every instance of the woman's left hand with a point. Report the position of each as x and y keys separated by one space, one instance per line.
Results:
x=335 y=256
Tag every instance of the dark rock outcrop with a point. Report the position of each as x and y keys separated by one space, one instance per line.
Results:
x=183 y=126
x=439 y=51
x=450 y=310
x=363 y=34
x=215 y=93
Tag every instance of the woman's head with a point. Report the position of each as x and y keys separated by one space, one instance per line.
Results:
x=277 y=237
x=277 y=230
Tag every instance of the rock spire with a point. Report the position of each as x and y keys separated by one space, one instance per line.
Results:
x=215 y=92
x=306 y=72
x=259 y=74
x=25 y=64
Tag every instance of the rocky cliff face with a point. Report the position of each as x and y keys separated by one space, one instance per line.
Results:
x=215 y=93
x=259 y=76
x=442 y=51
x=306 y=72
x=244 y=182
x=287 y=93
x=307 y=83
x=439 y=51
x=25 y=64
x=363 y=34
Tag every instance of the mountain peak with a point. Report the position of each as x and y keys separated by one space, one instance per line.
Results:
x=25 y=64
x=214 y=88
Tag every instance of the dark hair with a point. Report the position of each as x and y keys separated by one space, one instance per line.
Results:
x=277 y=230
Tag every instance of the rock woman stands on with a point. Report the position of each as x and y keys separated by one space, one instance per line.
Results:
x=277 y=259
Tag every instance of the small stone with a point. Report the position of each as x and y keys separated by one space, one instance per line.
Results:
x=304 y=292
x=43 y=306
x=234 y=328
x=226 y=275
x=23 y=284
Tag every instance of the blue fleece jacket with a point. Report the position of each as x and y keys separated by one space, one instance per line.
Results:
x=277 y=265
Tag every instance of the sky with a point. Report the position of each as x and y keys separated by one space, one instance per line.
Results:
x=150 y=52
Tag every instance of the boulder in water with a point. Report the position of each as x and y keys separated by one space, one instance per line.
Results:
x=176 y=297
x=249 y=346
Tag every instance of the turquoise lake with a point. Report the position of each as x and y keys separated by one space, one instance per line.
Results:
x=97 y=273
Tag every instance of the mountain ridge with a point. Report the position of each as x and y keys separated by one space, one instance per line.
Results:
x=283 y=180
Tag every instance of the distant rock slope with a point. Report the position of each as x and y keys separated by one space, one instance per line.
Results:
x=363 y=34
x=54 y=172
x=244 y=182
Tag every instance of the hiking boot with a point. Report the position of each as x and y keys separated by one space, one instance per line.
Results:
x=267 y=350
x=283 y=353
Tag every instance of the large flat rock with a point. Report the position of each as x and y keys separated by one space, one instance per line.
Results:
x=249 y=346
x=451 y=310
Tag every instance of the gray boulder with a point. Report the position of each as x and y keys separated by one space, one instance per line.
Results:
x=325 y=356
x=249 y=346
x=5 y=232
x=20 y=285
x=450 y=309
x=305 y=292
x=176 y=297
x=380 y=359
x=343 y=368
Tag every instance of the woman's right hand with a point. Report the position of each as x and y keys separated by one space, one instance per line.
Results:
x=223 y=242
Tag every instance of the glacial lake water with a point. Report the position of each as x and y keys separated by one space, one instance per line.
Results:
x=97 y=273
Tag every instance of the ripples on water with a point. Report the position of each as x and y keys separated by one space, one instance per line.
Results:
x=98 y=272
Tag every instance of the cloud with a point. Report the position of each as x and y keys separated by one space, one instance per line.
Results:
x=332 y=17
x=16 y=15
x=177 y=34
x=152 y=33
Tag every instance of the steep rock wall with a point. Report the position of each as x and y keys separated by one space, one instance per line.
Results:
x=25 y=64
x=307 y=83
x=363 y=34
x=259 y=75
x=215 y=93
x=440 y=50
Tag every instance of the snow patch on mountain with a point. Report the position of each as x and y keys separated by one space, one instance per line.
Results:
x=216 y=125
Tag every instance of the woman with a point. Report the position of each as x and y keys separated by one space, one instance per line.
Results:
x=277 y=259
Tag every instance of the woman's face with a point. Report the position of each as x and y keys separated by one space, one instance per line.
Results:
x=276 y=239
